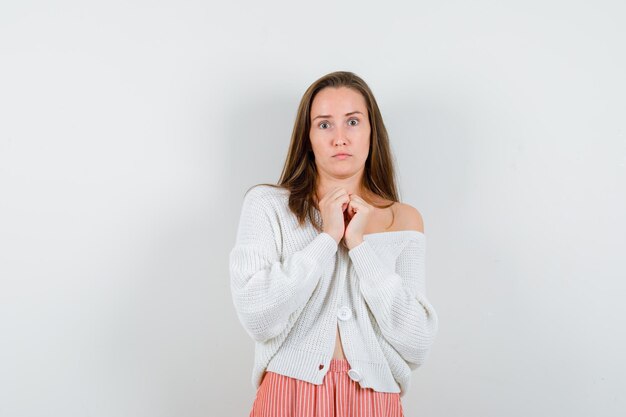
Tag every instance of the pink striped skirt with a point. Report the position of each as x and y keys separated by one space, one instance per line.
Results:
x=338 y=396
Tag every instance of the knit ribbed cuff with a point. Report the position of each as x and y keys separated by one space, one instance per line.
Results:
x=368 y=265
x=321 y=249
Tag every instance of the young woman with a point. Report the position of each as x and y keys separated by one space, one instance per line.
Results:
x=327 y=272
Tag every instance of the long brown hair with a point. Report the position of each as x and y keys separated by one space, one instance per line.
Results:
x=299 y=173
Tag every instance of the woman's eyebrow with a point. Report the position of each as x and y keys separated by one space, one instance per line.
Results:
x=330 y=116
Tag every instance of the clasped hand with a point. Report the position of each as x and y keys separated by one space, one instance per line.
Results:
x=345 y=216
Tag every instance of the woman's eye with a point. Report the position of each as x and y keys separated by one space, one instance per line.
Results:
x=354 y=120
x=323 y=123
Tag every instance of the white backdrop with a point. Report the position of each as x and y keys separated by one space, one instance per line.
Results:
x=129 y=131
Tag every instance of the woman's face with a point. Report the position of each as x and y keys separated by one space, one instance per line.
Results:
x=339 y=124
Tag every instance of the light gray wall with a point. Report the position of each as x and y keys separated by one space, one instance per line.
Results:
x=130 y=130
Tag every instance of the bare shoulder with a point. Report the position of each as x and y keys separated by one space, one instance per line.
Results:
x=409 y=218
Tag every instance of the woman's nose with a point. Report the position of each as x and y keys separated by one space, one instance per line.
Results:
x=340 y=137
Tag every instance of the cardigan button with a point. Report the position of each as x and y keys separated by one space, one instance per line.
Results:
x=354 y=375
x=321 y=366
x=344 y=313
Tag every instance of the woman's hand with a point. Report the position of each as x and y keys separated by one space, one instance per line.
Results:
x=332 y=207
x=358 y=212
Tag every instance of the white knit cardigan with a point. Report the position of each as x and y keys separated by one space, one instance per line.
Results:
x=292 y=286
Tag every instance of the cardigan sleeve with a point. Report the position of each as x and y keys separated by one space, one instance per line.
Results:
x=397 y=299
x=265 y=289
